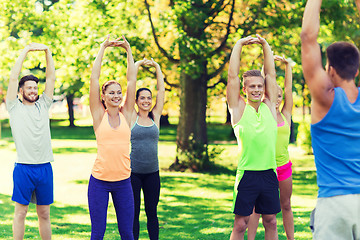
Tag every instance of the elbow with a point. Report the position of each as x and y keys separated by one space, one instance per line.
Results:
x=232 y=76
x=306 y=36
x=94 y=79
x=271 y=76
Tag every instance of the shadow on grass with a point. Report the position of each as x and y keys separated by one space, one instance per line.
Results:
x=59 y=220
x=216 y=132
x=74 y=150
x=192 y=206
x=217 y=169
x=203 y=216
x=307 y=181
x=301 y=224
x=81 y=182
x=191 y=217
x=59 y=132
x=182 y=183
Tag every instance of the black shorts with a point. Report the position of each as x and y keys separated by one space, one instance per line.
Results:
x=259 y=189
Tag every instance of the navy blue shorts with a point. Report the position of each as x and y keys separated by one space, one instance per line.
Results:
x=259 y=189
x=33 y=178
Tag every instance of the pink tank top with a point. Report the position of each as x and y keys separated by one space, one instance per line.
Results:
x=113 y=146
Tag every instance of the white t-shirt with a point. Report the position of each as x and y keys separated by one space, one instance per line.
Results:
x=30 y=127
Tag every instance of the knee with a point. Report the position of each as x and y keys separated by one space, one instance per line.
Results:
x=151 y=214
x=270 y=222
x=21 y=213
x=285 y=205
x=43 y=213
x=240 y=226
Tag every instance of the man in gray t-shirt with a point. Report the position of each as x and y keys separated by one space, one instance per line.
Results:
x=29 y=122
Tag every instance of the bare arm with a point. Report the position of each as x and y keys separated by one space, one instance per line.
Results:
x=316 y=78
x=137 y=66
x=14 y=75
x=131 y=74
x=15 y=71
x=288 y=98
x=50 y=74
x=358 y=5
x=159 y=105
x=96 y=108
x=235 y=102
x=271 y=88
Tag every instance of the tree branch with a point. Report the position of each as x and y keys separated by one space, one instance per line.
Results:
x=216 y=9
x=172 y=85
x=162 y=50
x=246 y=30
x=221 y=80
x=221 y=68
x=223 y=42
x=213 y=16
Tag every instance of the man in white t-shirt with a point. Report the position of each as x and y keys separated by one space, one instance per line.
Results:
x=30 y=127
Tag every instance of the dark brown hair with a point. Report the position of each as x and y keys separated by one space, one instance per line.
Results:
x=151 y=115
x=344 y=58
x=27 y=78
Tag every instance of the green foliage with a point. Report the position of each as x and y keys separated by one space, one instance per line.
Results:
x=192 y=33
x=304 y=136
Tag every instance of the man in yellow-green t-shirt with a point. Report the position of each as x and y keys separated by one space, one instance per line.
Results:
x=254 y=123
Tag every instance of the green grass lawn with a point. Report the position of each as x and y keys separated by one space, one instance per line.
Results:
x=192 y=205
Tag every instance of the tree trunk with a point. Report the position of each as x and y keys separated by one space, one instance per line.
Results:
x=70 y=103
x=191 y=132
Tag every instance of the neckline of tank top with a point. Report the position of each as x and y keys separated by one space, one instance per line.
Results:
x=114 y=128
x=136 y=122
x=145 y=126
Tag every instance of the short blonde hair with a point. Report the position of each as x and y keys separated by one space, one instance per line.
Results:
x=252 y=73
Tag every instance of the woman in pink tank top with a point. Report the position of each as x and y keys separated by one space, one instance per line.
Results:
x=111 y=171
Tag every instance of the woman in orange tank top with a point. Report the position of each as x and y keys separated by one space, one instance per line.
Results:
x=111 y=171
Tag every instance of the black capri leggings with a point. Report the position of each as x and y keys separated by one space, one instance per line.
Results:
x=150 y=183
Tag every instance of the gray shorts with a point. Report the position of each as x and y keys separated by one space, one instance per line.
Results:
x=337 y=218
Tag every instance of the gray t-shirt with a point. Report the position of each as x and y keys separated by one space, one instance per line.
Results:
x=30 y=127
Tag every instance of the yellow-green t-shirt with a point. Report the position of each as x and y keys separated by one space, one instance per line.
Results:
x=256 y=134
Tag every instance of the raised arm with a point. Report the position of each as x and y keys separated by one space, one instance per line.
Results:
x=15 y=71
x=236 y=103
x=14 y=75
x=131 y=74
x=159 y=105
x=50 y=74
x=271 y=88
x=288 y=98
x=96 y=108
x=316 y=78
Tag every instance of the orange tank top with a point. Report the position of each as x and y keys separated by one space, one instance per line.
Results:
x=113 y=147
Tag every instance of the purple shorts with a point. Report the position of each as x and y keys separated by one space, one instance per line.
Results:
x=284 y=171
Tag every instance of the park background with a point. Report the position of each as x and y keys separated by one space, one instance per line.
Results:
x=192 y=42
